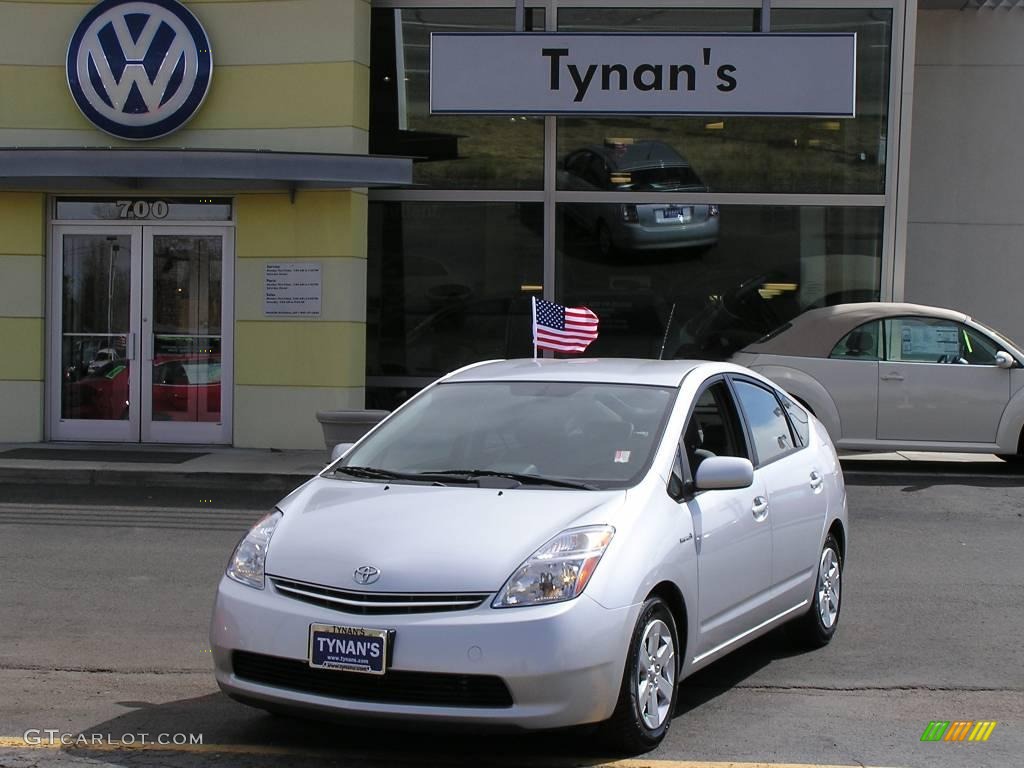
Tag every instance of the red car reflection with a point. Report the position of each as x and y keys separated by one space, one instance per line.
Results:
x=185 y=388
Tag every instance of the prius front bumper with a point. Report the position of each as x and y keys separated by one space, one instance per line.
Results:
x=562 y=664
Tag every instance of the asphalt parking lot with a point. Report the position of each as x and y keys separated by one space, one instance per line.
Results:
x=107 y=595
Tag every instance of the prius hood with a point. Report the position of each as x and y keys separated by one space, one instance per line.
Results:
x=422 y=538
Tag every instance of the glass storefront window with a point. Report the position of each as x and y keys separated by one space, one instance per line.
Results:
x=448 y=284
x=753 y=154
x=451 y=151
x=705 y=285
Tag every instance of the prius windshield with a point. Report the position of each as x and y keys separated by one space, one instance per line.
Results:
x=586 y=435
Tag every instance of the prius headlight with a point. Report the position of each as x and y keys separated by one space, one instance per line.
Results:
x=557 y=571
x=250 y=556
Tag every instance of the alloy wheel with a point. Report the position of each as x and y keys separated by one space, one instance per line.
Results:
x=656 y=674
x=829 y=577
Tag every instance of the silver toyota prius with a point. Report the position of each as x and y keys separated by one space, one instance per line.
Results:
x=538 y=544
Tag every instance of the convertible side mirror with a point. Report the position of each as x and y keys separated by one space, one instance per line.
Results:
x=1004 y=359
x=719 y=473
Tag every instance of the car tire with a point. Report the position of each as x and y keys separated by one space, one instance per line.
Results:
x=640 y=722
x=818 y=625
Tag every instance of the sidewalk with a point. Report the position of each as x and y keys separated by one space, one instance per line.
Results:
x=163 y=465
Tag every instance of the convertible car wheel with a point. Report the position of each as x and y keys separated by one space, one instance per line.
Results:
x=816 y=627
x=647 y=698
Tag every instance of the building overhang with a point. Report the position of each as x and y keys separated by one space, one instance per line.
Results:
x=206 y=170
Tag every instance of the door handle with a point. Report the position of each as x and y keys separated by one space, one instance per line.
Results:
x=816 y=480
x=760 y=508
x=892 y=377
x=130 y=347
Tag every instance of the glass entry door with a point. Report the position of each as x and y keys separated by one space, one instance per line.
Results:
x=94 y=360
x=143 y=353
x=183 y=383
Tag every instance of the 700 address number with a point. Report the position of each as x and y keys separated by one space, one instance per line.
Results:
x=142 y=209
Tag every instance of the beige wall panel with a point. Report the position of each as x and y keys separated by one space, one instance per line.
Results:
x=299 y=353
x=21 y=411
x=343 y=297
x=285 y=417
x=258 y=96
x=967 y=163
x=342 y=139
x=289 y=31
x=21 y=286
x=971 y=37
x=22 y=224
x=317 y=224
x=21 y=339
x=975 y=269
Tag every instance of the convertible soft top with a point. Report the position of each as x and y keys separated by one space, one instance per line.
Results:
x=816 y=332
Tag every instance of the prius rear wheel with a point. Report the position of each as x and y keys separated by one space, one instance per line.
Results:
x=647 y=697
x=816 y=627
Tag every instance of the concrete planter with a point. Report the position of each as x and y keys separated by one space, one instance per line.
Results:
x=347 y=426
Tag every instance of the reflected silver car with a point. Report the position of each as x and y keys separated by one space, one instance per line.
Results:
x=639 y=166
x=541 y=543
x=889 y=376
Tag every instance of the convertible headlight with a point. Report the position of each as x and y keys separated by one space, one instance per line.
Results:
x=250 y=556
x=557 y=571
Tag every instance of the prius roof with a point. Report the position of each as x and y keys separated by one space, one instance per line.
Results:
x=665 y=373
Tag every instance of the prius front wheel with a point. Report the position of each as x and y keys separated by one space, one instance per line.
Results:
x=647 y=697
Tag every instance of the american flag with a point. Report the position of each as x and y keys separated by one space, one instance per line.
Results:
x=563 y=329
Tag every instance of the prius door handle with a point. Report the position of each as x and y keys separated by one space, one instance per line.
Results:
x=816 y=480
x=892 y=377
x=760 y=508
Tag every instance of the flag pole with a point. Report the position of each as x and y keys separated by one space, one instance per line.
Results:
x=533 y=301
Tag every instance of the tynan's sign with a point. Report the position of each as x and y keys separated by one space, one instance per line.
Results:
x=139 y=69
x=678 y=74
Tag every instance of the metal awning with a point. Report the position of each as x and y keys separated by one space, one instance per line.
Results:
x=204 y=170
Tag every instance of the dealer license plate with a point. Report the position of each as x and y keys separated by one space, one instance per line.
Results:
x=350 y=649
x=675 y=213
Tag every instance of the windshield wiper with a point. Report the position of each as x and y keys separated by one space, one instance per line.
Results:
x=521 y=478
x=373 y=473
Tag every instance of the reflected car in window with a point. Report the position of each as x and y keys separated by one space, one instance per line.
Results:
x=538 y=544
x=887 y=376
x=186 y=388
x=638 y=166
x=102 y=393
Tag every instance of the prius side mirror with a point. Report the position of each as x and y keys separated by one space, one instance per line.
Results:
x=719 y=473
x=1004 y=359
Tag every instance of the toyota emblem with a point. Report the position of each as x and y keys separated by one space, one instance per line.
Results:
x=366 y=574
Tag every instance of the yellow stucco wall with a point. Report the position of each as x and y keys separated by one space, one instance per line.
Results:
x=22 y=309
x=298 y=365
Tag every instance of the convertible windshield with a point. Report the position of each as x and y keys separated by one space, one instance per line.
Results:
x=575 y=435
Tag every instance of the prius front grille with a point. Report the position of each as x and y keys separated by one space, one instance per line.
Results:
x=431 y=689
x=377 y=603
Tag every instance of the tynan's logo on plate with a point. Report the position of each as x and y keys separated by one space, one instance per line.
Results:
x=139 y=69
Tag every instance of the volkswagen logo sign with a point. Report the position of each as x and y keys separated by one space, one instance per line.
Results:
x=139 y=69
x=366 y=574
